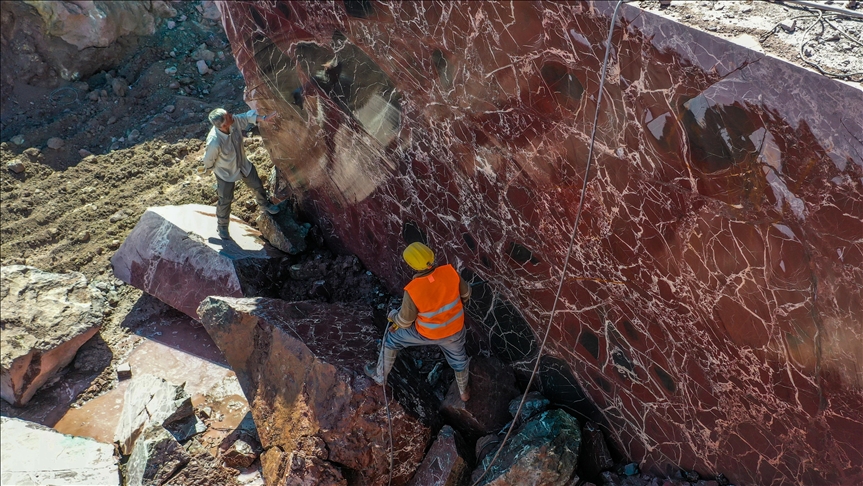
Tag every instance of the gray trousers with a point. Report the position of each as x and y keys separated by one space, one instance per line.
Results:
x=225 y=190
x=452 y=347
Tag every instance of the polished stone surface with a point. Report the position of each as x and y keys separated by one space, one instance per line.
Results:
x=712 y=307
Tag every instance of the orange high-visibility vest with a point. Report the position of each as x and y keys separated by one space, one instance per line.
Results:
x=438 y=301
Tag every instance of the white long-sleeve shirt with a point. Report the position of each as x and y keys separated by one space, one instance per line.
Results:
x=225 y=154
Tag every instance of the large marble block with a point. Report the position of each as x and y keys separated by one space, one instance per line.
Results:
x=300 y=365
x=46 y=317
x=712 y=308
x=175 y=255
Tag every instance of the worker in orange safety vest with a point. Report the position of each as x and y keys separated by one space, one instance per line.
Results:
x=432 y=312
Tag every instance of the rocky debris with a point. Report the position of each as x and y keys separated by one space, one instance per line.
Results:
x=544 y=451
x=18 y=140
x=46 y=318
x=119 y=87
x=202 y=67
x=595 y=456
x=204 y=470
x=534 y=403
x=493 y=385
x=203 y=54
x=788 y=25
x=282 y=230
x=300 y=365
x=307 y=464
x=209 y=10
x=65 y=41
x=55 y=143
x=34 y=454
x=444 y=464
x=148 y=402
x=16 y=166
x=239 y=455
x=175 y=255
x=156 y=457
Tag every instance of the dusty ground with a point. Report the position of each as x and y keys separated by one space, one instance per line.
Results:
x=71 y=207
x=824 y=41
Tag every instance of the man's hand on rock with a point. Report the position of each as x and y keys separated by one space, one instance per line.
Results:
x=270 y=117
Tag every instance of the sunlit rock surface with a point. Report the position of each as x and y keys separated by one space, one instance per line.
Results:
x=45 y=318
x=712 y=307
x=175 y=255
x=35 y=454
x=318 y=416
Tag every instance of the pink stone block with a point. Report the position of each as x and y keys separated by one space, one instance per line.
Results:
x=175 y=255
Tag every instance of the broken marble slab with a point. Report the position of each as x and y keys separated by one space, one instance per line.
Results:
x=35 y=454
x=543 y=451
x=492 y=386
x=444 y=464
x=156 y=457
x=150 y=401
x=46 y=318
x=175 y=255
x=300 y=365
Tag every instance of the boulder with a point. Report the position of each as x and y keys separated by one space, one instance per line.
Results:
x=492 y=386
x=150 y=401
x=34 y=454
x=444 y=463
x=300 y=365
x=544 y=451
x=175 y=255
x=595 y=456
x=156 y=457
x=282 y=230
x=46 y=317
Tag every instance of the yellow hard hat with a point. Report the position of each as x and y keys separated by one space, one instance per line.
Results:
x=418 y=256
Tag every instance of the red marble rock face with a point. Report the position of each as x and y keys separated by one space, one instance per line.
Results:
x=712 y=309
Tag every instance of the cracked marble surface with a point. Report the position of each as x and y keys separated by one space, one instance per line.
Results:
x=712 y=311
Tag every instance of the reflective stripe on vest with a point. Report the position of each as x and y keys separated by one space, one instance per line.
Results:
x=438 y=301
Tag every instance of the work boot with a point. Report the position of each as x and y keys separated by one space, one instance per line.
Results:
x=223 y=233
x=461 y=379
x=379 y=372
